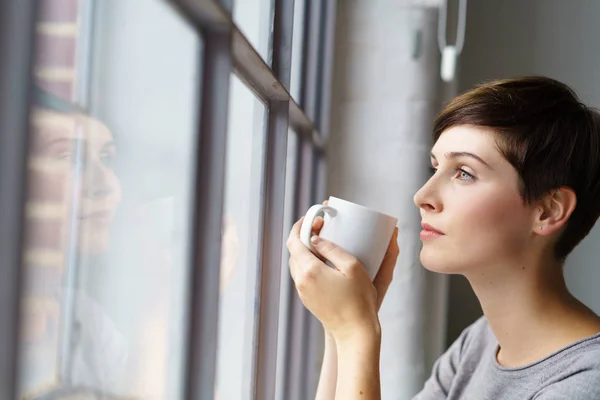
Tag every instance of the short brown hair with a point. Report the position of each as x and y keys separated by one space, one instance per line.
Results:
x=546 y=133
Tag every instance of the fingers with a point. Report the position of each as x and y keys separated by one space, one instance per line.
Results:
x=298 y=251
x=386 y=272
x=294 y=269
x=317 y=225
x=393 y=247
x=305 y=268
x=391 y=255
x=332 y=252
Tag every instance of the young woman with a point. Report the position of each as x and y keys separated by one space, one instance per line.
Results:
x=73 y=197
x=516 y=187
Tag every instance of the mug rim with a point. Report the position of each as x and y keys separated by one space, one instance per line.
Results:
x=365 y=208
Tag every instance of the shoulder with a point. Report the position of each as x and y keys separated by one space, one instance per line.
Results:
x=575 y=372
x=578 y=384
x=583 y=355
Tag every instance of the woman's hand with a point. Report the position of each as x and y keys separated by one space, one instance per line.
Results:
x=384 y=276
x=343 y=298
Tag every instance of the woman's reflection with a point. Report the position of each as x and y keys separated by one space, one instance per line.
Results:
x=72 y=200
x=71 y=172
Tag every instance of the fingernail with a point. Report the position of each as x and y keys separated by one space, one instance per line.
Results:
x=315 y=239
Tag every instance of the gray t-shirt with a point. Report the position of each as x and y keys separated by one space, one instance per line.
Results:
x=469 y=371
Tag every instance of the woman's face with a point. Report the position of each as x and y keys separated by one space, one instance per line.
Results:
x=72 y=184
x=473 y=199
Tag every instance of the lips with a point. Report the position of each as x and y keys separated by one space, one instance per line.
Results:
x=98 y=219
x=429 y=232
x=96 y=215
x=427 y=227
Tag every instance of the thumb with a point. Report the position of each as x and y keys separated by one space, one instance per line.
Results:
x=332 y=252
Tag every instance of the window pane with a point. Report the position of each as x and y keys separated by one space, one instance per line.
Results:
x=297 y=49
x=290 y=194
x=240 y=246
x=255 y=20
x=58 y=37
x=109 y=209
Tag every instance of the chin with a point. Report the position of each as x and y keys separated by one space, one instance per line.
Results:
x=440 y=262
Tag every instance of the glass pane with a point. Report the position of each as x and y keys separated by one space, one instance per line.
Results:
x=109 y=208
x=285 y=285
x=59 y=40
x=255 y=19
x=297 y=49
x=240 y=246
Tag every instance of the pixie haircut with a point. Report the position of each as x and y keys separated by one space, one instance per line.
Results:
x=549 y=137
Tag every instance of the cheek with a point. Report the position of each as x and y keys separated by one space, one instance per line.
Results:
x=116 y=184
x=492 y=226
x=478 y=229
x=116 y=190
x=489 y=214
x=500 y=213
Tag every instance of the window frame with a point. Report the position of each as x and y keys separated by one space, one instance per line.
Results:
x=17 y=24
x=225 y=49
x=271 y=84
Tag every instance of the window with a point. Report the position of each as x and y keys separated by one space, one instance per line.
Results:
x=240 y=245
x=285 y=284
x=297 y=49
x=255 y=20
x=165 y=166
x=110 y=201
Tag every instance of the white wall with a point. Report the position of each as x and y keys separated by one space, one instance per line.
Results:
x=385 y=96
x=548 y=37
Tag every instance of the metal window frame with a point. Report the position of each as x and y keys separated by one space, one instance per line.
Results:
x=321 y=99
x=294 y=388
x=299 y=318
x=273 y=206
x=226 y=49
x=270 y=85
x=17 y=24
x=315 y=98
x=208 y=205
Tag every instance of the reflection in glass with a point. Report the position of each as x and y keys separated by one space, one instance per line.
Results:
x=109 y=206
x=73 y=198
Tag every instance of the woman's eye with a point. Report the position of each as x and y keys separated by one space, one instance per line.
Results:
x=107 y=159
x=464 y=175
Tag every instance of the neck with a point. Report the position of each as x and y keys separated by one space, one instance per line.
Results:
x=530 y=310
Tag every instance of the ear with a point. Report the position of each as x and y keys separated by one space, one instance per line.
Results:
x=554 y=210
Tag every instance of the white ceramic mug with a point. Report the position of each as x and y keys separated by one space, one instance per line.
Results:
x=360 y=231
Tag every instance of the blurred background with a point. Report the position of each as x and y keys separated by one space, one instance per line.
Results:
x=154 y=155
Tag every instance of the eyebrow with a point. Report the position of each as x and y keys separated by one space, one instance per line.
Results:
x=457 y=154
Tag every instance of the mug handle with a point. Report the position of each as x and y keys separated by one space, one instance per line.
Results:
x=309 y=219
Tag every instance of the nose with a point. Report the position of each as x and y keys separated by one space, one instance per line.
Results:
x=99 y=180
x=428 y=197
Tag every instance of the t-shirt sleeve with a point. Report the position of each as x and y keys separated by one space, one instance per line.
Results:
x=444 y=370
x=584 y=385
